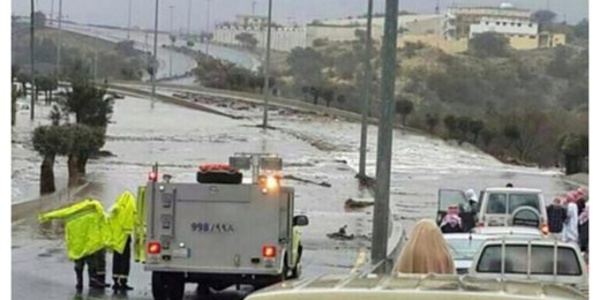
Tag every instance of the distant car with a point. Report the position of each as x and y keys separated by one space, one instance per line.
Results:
x=463 y=247
x=513 y=207
x=543 y=260
x=520 y=231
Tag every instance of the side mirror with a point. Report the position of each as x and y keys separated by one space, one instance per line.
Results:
x=300 y=221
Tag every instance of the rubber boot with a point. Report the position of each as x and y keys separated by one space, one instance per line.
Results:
x=124 y=286
x=79 y=285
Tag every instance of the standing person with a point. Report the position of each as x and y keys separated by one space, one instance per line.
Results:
x=557 y=215
x=580 y=197
x=584 y=230
x=426 y=251
x=86 y=232
x=469 y=217
x=122 y=220
x=570 y=233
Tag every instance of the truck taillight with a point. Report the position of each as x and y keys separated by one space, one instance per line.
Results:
x=152 y=176
x=154 y=247
x=269 y=251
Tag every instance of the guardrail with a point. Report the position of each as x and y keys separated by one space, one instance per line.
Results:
x=274 y=101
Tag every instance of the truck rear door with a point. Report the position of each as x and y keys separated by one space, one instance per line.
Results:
x=217 y=228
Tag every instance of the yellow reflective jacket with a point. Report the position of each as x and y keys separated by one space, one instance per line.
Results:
x=122 y=221
x=86 y=227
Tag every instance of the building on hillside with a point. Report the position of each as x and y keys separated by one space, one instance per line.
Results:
x=283 y=38
x=345 y=29
x=466 y=16
x=522 y=35
x=551 y=40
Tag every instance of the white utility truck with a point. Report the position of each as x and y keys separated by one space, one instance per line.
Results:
x=220 y=231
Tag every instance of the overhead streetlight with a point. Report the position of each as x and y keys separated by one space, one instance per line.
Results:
x=154 y=64
x=266 y=88
x=366 y=93
x=207 y=26
x=32 y=54
x=129 y=20
x=189 y=20
x=59 y=41
x=172 y=37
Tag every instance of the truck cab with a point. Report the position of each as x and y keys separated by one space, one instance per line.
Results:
x=513 y=207
x=220 y=231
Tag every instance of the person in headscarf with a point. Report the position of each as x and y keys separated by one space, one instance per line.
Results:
x=451 y=222
x=584 y=228
x=557 y=214
x=570 y=233
x=468 y=216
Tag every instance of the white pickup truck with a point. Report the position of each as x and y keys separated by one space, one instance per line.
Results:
x=542 y=260
x=221 y=232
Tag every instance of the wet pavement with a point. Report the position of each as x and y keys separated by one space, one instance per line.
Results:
x=314 y=148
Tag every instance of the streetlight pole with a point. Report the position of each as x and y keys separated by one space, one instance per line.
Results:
x=154 y=61
x=171 y=36
x=266 y=88
x=366 y=94
x=129 y=19
x=189 y=21
x=59 y=42
x=51 y=12
x=384 y=145
x=32 y=53
x=207 y=25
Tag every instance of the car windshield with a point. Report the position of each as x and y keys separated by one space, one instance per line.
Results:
x=461 y=248
x=496 y=204
x=520 y=200
x=542 y=260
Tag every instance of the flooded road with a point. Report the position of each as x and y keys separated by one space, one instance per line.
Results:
x=314 y=148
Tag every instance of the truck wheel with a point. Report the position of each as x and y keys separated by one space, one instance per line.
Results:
x=175 y=286
x=159 y=287
x=167 y=286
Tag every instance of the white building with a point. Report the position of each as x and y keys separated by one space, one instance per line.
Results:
x=283 y=38
x=510 y=27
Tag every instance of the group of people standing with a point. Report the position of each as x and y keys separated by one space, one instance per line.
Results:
x=90 y=232
x=568 y=218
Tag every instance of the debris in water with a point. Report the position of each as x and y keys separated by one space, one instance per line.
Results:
x=362 y=203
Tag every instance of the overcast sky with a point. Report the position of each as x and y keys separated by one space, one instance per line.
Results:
x=114 y=12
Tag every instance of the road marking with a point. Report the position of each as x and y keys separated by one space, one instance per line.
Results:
x=361 y=258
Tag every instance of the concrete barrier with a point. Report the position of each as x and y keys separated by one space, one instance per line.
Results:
x=29 y=208
x=274 y=101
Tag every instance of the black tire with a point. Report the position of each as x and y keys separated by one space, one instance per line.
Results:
x=167 y=286
x=159 y=287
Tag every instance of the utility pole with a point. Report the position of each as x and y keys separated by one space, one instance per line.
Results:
x=171 y=36
x=368 y=73
x=59 y=42
x=384 y=145
x=154 y=61
x=207 y=26
x=129 y=20
x=189 y=17
x=266 y=88
x=51 y=12
x=32 y=53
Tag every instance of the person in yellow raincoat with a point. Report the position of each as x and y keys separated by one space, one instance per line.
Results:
x=122 y=216
x=86 y=233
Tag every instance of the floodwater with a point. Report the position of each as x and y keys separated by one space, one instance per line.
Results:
x=313 y=148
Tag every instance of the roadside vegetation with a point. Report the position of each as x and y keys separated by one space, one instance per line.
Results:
x=523 y=107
